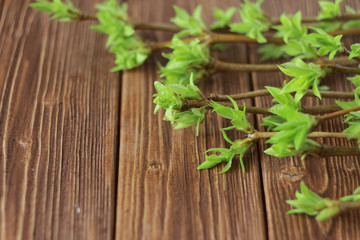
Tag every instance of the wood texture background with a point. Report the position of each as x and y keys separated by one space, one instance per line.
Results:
x=82 y=156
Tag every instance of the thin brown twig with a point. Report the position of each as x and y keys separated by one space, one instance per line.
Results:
x=265 y=92
x=339 y=113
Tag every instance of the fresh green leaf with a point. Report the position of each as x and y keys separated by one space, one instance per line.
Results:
x=329 y=9
x=291 y=27
x=58 y=9
x=326 y=43
x=128 y=48
x=223 y=17
x=192 y=25
x=355 y=50
x=238 y=117
x=187 y=58
x=254 y=21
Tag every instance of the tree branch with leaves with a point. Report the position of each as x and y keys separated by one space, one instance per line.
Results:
x=311 y=47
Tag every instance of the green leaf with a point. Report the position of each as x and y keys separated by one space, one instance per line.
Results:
x=223 y=17
x=325 y=43
x=272 y=51
x=192 y=25
x=166 y=98
x=254 y=21
x=329 y=26
x=355 y=50
x=329 y=9
x=58 y=9
x=128 y=48
x=304 y=76
x=291 y=27
x=238 y=117
x=187 y=59
x=292 y=133
x=328 y=213
x=352 y=118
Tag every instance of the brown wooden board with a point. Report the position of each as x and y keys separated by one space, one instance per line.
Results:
x=161 y=194
x=76 y=163
x=58 y=127
x=333 y=177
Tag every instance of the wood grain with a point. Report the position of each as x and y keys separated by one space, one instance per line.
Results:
x=58 y=128
x=62 y=131
x=333 y=177
x=161 y=195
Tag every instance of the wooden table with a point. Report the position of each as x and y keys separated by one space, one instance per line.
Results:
x=82 y=156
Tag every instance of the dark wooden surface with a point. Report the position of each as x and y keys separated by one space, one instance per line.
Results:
x=82 y=156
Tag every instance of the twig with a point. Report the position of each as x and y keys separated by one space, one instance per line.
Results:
x=314 y=110
x=338 y=114
x=265 y=92
x=265 y=135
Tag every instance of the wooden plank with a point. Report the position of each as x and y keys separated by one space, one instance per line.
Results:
x=161 y=195
x=58 y=128
x=333 y=177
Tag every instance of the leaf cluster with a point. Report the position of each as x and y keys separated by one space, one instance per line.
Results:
x=329 y=9
x=187 y=58
x=239 y=147
x=223 y=17
x=352 y=118
x=290 y=28
x=238 y=117
x=326 y=43
x=130 y=51
x=192 y=25
x=312 y=204
x=64 y=12
x=254 y=21
x=291 y=138
x=304 y=76
x=171 y=97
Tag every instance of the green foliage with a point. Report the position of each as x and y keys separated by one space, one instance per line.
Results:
x=352 y=198
x=254 y=21
x=291 y=27
x=284 y=100
x=329 y=9
x=356 y=81
x=128 y=48
x=238 y=147
x=304 y=76
x=192 y=25
x=352 y=23
x=238 y=117
x=171 y=97
x=312 y=204
x=166 y=98
x=353 y=118
x=272 y=51
x=187 y=58
x=299 y=48
x=355 y=50
x=223 y=18
x=292 y=133
x=58 y=9
x=329 y=26
x=194 y=116
x=325 y=43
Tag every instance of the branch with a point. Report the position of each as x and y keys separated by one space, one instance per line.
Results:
x=218 y=65
x=314 y=110
x=343 y=18
x=338 y=114
x=265 y=135
x=345 y=206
